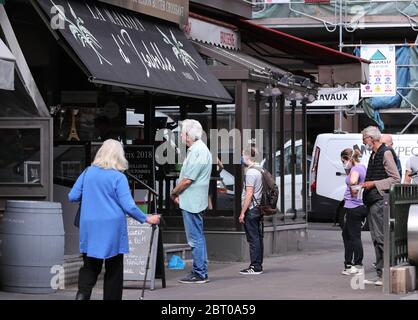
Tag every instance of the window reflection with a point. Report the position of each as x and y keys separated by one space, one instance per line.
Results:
x=20 y=156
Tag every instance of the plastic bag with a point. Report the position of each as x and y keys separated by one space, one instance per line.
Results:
x=176 y=263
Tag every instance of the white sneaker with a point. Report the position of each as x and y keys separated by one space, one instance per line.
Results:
x=375 y=281
x=346 y=271
x=357 y=270
x=379 y=282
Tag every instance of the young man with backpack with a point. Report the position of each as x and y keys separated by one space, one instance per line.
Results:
x=250 y=212
x=259 y=197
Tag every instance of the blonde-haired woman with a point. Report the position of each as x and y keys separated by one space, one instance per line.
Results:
x=354 y=212
x=103 y=226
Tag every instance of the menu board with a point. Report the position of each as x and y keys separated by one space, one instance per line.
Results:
x=135 y=262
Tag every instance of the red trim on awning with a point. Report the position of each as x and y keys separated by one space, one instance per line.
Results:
x=300 y=48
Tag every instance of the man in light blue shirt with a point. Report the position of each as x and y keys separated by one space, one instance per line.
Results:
x=191 y=194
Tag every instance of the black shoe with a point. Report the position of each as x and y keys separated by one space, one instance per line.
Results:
x=194 y=278
x=251 y=270
x=82 y=296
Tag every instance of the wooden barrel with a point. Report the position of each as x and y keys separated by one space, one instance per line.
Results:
x=31 y=246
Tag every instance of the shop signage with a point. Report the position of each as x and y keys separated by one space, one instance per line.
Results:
x=135 y=262
x=175 y=11
x=211 y=33
x=336 y=97
x=123 y=48
x=382 y=71
x=141 y=163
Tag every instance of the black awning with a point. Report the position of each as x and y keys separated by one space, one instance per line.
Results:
x=123 y=48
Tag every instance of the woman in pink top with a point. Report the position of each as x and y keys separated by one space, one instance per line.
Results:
x=354 y=211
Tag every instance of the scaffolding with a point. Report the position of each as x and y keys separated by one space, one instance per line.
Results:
x=348 y=16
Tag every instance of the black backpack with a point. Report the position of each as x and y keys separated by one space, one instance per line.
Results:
x=270 y=193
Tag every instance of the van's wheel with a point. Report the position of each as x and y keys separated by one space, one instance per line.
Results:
x=339 y=215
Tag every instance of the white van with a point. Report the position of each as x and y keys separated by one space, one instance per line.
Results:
x=327 y=175
x=288 y=175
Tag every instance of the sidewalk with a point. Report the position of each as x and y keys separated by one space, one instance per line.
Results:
x=314 y=273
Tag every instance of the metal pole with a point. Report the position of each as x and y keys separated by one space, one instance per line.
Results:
x=304 y=166
x=293 y=159
x=270 y=154
x=386 y=244
x=281 y=145
x=411 y=44
x=340 y=46
x=154 y=227
x=409 y=124
x=273 y=168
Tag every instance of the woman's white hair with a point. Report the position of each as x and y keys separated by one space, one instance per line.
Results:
x=111 y=156
x=192 y=128
x=372 y=132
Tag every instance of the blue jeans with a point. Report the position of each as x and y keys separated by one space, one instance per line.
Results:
x=254 y=232
x=193 y=225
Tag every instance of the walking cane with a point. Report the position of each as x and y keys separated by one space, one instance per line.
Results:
x=150 y=248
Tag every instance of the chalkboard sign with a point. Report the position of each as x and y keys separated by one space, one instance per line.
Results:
x=135 y=262
x=141 y=162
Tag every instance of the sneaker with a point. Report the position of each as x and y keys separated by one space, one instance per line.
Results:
x=377 y=281
x=357 y=270
x=194 y=278
x=347 y=269
x=251 y=270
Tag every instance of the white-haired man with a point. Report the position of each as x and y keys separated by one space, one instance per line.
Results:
x=191 y=193
x=382 y=172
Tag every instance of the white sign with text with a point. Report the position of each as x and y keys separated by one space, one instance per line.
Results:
x=382 y=71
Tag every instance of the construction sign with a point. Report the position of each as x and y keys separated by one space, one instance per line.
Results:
x=382 y=71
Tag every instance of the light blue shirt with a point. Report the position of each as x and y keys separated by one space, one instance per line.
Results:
x=197 y=167
x=106 y=198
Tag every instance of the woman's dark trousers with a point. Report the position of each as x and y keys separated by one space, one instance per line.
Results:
x=352 y=236
x=113 y=279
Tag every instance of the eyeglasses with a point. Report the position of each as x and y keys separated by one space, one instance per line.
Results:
x=364 y=138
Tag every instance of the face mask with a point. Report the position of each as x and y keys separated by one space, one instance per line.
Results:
x=347 y=165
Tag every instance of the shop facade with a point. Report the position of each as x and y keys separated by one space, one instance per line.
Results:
x=115 y=73
x=103 y=61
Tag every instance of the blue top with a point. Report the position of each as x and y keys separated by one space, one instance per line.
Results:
x=350 y=201
x=197 y=167
x=106 y=199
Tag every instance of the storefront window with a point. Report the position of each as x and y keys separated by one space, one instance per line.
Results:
x=69 y=161
x=225 y=185
x=20 y=156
